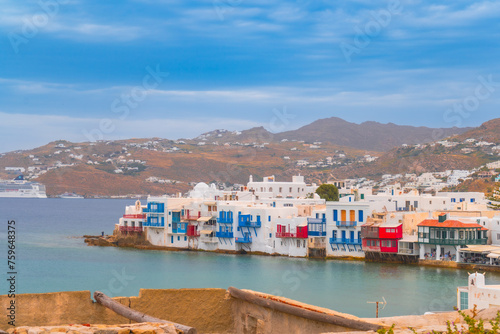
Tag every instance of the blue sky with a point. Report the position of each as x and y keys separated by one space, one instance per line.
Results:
x=81 y=70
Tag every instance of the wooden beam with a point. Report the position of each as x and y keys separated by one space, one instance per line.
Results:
x=302 y=312
x=136 y=316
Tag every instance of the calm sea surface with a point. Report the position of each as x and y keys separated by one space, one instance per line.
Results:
x=51 y=256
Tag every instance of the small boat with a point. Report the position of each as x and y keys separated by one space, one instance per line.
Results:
x=70 y=195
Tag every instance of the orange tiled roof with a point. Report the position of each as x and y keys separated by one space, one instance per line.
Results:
x=450 y=223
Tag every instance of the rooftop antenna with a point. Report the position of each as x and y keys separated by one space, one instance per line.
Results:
x=378 y=303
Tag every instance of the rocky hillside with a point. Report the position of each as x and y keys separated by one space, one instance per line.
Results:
x=371 y=136
x=157 y=166
x=469 y=150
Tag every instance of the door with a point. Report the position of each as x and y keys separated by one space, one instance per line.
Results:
x=343 y=215
x=343 y=236
x=352 y=235
x=352 y=215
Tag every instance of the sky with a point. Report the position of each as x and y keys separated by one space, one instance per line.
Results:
x=89 y=70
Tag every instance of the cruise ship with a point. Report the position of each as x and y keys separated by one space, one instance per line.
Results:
x=21 y=188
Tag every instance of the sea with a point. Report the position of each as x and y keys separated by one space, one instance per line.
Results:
x=51 y=256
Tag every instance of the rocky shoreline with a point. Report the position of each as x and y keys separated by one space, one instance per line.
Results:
x=139 y=242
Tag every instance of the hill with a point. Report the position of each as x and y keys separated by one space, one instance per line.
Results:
x=157 y=166
x=372 y=136
x=468 y=150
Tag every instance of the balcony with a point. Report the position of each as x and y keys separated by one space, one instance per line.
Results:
x=179 y=228
x=354 y=242
x=224 y=234
x=244 y=240
x=286 y=235
x=225 y=220
x=366 y=233
x=457 y=241
x=347 y=223
x=153 y=224
x=191 y=217
x=316 y=227
x=154 y=209
x=138 y=216
x=245 y=221
x=316 y=220
x=317 y=234
x=338 y=240
x=192 y=233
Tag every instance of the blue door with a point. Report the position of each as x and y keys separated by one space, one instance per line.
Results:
x=343 y=236
x=352 y=235
x=335 y=215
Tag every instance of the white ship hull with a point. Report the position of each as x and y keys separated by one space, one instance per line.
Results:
x=19 y=194
x=21 y=189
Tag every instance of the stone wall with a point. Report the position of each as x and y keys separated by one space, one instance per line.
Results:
x=208 y=310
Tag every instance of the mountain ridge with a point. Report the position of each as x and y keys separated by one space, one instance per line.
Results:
x=368 y=135
x=157 y=166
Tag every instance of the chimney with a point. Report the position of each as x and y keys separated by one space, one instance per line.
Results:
x=442 y=217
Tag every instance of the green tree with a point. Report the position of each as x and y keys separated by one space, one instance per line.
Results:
x=328 y=192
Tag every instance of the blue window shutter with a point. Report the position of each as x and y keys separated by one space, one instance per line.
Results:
x=335 y=215
x=360 y=218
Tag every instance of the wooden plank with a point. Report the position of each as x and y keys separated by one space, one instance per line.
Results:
x=136 y=316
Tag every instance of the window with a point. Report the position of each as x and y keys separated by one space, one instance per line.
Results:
x=461 y=235
x=178 y=238
x=185 y=238
x=438 y=234
x=394 y=243
x=290 y=190
x=464 y=300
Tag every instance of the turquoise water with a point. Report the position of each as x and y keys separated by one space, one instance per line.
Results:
x=52 y=257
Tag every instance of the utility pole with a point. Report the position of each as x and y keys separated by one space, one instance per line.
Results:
x=377 y=305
